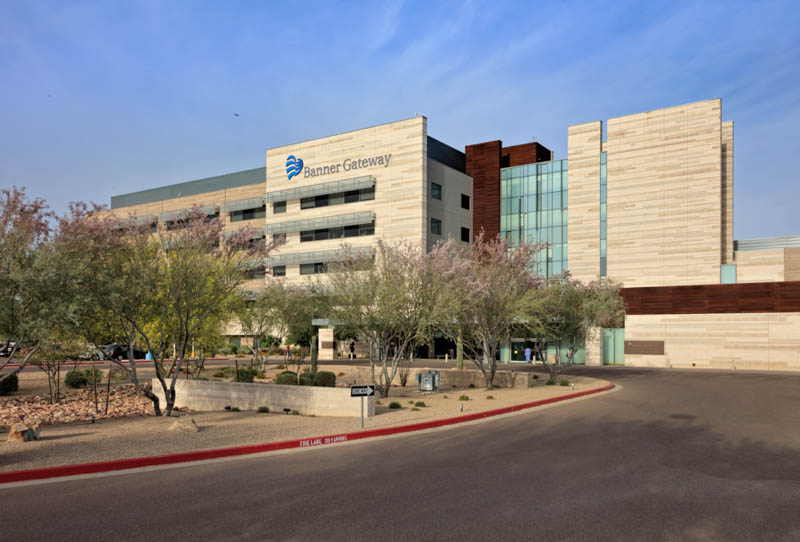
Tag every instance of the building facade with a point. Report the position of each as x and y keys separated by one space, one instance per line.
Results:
x=650 y=205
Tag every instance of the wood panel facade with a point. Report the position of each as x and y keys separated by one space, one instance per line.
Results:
x=759 y=297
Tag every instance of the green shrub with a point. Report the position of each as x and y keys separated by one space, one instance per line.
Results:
x=444 y=397
x=341 y=373
x=489 y=397
x=234 y=349
x=464 y=398
x=9 y=384
x=263 y=409
x=295 y=413
x=98 y=375
x=306 y=379
x=395 y=404
x=246 y=374
x=378 y=402
x=411 y=402
x=286 y=378
x=550 y=382
x=201 y=378
x=236 y=409
x=75 y=379
x=415 y=408
x=564 y=383
x=536 y=377
x=420 y=404
x=325 y=379
x=496 y=386
x=224 y=372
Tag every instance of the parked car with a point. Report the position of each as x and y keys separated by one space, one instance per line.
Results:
x=5 y=349
x=120 y=352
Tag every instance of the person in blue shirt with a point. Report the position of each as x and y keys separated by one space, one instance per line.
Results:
x=527 y=354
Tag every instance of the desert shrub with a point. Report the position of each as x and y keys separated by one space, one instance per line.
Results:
x=378 y=402
x=420 y=404
x=496 y=386
x=536 y=377
x=411 y=402
x=236 y=409
x=224 y=372
x=306 y=379
x=463 y=398
x=325 y=379
x=263 y=409
x=472 y=385
x=75 y=379
x=341 y=373
x=9 y=384
x=246 y=374
x=280 y=366
x=287 y=378
x=564 y=383
x=550 y=382
x=234 y=349
x=489 y=397
x=225 y=351
x=395 y=404
x=295 y=413
x=415 y=409
x=202 y=378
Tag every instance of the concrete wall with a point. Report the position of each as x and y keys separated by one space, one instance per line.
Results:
x=727 y=192
x=664 y=196
x=451 y=377
x=583 y=233
x=208 y=395
x=765 y=341
x=449 y=210
x=760 y=265
x=401 y=189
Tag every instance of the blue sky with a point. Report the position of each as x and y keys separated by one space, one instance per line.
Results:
x=102 y=98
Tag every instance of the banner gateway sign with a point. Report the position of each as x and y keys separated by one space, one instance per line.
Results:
x=348 y=164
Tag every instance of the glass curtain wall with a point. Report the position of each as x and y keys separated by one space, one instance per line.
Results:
x=533 y=208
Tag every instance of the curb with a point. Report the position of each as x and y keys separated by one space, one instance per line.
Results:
x=150 y=461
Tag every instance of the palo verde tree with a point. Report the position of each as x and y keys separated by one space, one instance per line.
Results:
x=162 y=287
x=567 y=313
x=389 y=300
x=487 y=297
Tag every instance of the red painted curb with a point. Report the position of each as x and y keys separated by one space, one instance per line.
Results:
x=123 y=464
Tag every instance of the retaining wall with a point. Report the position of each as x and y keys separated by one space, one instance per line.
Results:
x=209 y=395
x=452 y=377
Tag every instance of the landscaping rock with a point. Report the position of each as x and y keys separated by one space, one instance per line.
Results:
x=185 y=425
x=24 y=432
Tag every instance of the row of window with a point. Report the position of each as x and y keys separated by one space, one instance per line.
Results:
x=339 y=198
x=358 y=230
x=436 y=193
x=436 y=228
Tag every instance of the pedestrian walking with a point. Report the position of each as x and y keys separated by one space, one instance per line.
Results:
x=527 y=354
x=352 y=350
x=288 y=352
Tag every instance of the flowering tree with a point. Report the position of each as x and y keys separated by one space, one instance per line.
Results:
x=388 y=300
x=161 y=288
x=488 y=286
x=567 y=313
x=24 y=228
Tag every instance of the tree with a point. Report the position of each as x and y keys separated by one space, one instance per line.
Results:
x=488 y=283
x=389 y=301
x=162 y=288
x=24 y=227
x=566 y=313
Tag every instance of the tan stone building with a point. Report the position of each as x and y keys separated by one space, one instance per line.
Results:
x=649 y=205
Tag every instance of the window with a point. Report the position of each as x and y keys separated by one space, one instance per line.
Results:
x=312 y=268
x=338 y=198
x=278 y=270
x=727 y=274
x=279 y=207
x=279 y=237
x=465 y=235
x=436 y=226
x=249 y=214
x=322 y=234
x=436 y=191
x=258 y=273
x=465 y=201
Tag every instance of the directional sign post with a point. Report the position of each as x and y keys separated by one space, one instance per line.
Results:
x=362 y=391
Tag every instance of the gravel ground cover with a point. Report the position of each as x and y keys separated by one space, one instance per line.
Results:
x=147 y=435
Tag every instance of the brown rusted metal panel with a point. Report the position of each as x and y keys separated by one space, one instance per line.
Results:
x=645 y=348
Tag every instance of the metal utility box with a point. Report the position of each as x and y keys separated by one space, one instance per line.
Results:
x=428 y=381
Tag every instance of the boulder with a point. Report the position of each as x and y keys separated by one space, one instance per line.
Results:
x=186 y=425
x=24 y=432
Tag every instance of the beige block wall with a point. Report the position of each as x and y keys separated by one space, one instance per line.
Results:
x=664 y=196
x=727 y=192
x=207 y=395
x=763 y=341
x=583 y=233
x=760 y=265
x=792 y=264
x=400 y=189
x=448 y=209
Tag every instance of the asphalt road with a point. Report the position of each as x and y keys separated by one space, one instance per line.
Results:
x=670 y=456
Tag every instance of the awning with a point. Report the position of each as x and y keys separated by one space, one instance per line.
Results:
x=337 y=221
x=242 y=204
x=320 y=256
x=333 y=187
